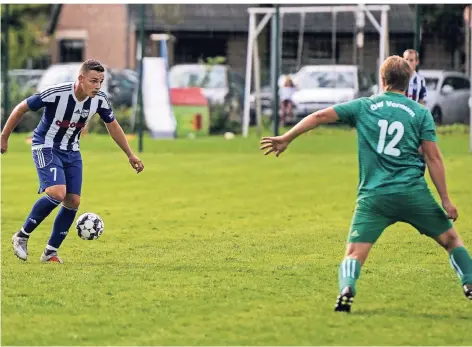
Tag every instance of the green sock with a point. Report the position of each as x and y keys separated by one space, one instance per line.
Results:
x=349 y=272
x=462 y=264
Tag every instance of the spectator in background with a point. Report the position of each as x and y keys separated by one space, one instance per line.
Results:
x=286 y=102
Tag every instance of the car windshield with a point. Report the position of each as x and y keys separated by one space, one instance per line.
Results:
x=326 y=79
x=197 y=76
x=431 y=83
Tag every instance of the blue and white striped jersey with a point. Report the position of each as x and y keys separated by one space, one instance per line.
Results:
x=416 y=88
x=64 y=116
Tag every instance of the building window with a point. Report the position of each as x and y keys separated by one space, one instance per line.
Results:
x=191 y=49
x=71 y=50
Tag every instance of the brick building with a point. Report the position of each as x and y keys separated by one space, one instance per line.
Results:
x=109 y=32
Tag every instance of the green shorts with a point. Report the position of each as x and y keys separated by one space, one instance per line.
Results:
x=418 y=208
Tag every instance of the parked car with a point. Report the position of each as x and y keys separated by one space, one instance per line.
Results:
x=123 y=87
x=26 y=79
x=447 y=95
x=218 y=83
x=321 y=86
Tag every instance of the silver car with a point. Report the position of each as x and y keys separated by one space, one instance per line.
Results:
x=447 y=95
x=321 y=86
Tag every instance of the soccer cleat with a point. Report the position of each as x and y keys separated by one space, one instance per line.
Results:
x=50 y=258
x=468 y=291
x=344 y=300
x=20 y=244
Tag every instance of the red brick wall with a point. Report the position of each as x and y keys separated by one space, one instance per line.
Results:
x=106 y=27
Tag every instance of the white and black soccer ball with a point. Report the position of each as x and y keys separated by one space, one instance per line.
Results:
x=89 y=226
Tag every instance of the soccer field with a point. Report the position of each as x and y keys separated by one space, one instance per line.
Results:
x=215 y=244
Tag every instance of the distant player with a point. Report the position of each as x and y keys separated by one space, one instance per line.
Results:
x=417 y=86
x=55 y=149
x=392 y=187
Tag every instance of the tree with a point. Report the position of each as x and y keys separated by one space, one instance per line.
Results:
x=445 y=22
x=27 y=36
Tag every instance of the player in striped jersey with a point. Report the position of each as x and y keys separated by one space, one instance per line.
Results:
x=55 y=148
x=417 y=85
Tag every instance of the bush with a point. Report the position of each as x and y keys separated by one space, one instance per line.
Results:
x=122 y=115
x=220 y=122
x=16 y=95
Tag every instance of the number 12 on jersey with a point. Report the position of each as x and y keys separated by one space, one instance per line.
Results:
x=395 y=127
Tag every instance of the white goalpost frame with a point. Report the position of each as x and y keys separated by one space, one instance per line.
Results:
x=255 y=29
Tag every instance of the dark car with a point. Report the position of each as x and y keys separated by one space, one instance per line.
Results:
x=123 y=87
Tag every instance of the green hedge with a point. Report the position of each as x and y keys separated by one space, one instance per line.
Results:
x=16 y=96
x=220 y=122
x=122 y=115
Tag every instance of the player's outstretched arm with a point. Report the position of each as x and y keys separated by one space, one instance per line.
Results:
x=278 y=144
x=10 y=125
x=118 y=135
x=436 y=169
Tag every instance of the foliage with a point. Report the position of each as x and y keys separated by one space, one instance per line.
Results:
x=209 y=63
x=122 y=115
x=27 y=36
x=220 y=121
x=446 y=22
x=16 y=95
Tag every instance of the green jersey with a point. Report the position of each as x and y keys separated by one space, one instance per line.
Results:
x=390 y=128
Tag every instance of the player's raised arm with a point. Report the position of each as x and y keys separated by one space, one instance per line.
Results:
x=278 y=144
x=325 y=116
x=345 y=112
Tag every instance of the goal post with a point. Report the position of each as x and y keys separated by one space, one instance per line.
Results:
x=255 y=28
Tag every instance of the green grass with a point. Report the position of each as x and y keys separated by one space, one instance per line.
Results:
x=215 y=244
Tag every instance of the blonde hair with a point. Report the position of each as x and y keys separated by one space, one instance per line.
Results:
x=288 y=82
x=395 y=73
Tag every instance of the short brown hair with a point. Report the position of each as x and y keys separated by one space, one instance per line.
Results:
x=90 y=65
x=412 y=51
x=395 y=73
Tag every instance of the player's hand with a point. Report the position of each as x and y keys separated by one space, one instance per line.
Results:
x=136 y=163
x=4 y=143
x=276 y=144
x=450 y=209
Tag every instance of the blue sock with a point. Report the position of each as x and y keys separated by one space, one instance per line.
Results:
x=41 y=209
x=63 y=221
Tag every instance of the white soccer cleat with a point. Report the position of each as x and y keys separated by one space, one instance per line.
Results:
x=20 y=246
x=50 y=258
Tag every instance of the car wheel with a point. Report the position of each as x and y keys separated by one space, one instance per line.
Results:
x=437 y=115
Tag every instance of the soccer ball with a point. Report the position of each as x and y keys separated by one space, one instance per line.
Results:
x=89 y=226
